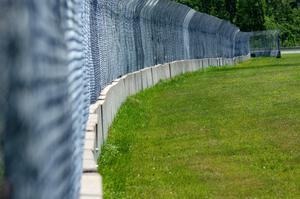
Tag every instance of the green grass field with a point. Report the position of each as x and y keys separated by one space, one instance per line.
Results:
x=231 y=132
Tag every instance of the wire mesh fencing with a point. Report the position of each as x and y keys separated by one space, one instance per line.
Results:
x=55 y=58
x=265 y=43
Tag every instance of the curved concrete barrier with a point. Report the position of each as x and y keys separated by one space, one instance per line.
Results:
x=103 y=112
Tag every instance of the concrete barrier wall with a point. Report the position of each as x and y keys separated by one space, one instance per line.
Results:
x=160 y=72
x=103 y=112
x=147 y=78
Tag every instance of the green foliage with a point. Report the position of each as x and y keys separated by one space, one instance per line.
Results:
x=226 y=132
x=256 y=15
x=285 y=16
x=250 y=15
x=231 y=8
x=219 y=8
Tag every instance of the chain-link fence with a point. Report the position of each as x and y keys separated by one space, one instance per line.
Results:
x=265 y=43
x=55 y=58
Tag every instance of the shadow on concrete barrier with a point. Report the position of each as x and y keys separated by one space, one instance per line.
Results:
x=103 y=112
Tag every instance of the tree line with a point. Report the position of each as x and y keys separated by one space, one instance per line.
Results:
x=256 y=15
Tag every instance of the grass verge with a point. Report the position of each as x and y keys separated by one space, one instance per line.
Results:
x=231 y=132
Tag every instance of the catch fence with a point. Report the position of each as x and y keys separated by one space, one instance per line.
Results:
x=265 y=43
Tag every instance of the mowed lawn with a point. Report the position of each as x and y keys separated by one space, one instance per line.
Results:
x=230 y=132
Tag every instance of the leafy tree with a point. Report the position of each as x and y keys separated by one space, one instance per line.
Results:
x=195 y=4
x=218 y=9
x=255 y=15
x=251 y=15
x=230 y=6
x=285 y=16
